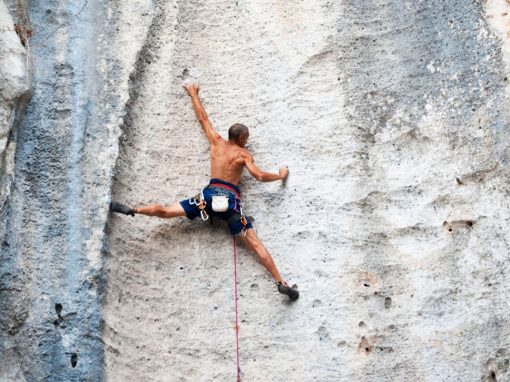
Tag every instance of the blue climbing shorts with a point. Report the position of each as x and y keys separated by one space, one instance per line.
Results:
x=220 y=187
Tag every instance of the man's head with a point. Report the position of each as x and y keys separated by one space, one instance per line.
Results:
x=238 y=134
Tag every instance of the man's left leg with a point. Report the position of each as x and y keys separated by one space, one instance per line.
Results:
x=252 y=241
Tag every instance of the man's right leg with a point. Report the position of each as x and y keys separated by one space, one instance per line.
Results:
x=150 y=210
x=173 y=211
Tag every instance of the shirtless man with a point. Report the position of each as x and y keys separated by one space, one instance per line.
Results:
x=228 y=159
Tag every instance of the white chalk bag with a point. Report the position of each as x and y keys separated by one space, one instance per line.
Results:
x=220 y=203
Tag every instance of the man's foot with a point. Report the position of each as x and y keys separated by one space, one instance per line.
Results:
x=291 y=292
x=121 y=209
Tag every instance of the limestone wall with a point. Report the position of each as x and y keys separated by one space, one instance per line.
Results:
x=14 y=90
x=52 y=267
x=393 y=119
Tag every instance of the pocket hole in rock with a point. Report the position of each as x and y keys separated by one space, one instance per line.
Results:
x=74 y=359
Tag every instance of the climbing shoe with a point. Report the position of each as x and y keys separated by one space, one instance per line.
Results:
x=121 y=209
x=291 y=292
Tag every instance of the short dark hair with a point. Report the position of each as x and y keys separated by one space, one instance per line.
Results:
x=236 y=131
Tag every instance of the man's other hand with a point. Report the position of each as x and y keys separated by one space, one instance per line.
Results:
x=284 y=173
x=191 y=88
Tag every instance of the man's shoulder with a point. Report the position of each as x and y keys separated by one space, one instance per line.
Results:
x=236 y=150
x=218 y=140
x=243 y=153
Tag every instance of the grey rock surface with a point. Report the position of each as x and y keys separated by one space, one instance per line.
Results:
x=51 y=262
x=393 y=119
x=14 y=89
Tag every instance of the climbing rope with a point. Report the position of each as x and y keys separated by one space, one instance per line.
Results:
x=237 y=320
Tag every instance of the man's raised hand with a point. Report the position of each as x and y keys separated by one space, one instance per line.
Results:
x=191 y=88
x=284 y=173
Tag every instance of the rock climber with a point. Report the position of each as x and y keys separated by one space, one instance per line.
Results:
x=221 y=198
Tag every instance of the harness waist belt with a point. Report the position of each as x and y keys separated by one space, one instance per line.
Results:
x=226 y=185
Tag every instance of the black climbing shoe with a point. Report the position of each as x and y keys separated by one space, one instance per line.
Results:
x=291 y=292
x=121 y=209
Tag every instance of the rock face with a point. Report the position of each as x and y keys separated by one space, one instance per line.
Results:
x=51 y=259
x=14 y=88
x=392 y=117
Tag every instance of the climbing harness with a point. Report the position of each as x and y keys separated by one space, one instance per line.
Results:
x=237 y=315
x=221 y=185
x=220 y=203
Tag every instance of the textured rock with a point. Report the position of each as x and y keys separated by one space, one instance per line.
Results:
x=13 y=87
x=51 y=262
x=392 y=117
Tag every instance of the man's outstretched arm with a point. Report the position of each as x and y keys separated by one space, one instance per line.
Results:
x=261 y=175
x=212 y=135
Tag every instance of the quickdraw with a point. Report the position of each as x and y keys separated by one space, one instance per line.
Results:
x=243 y=219
x=200 y=202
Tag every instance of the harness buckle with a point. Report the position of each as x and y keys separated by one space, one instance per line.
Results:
x=244 y=222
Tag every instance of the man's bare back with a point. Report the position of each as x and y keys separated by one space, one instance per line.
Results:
x=227 y=161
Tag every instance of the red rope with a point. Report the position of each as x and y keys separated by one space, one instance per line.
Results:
x=237 y=320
